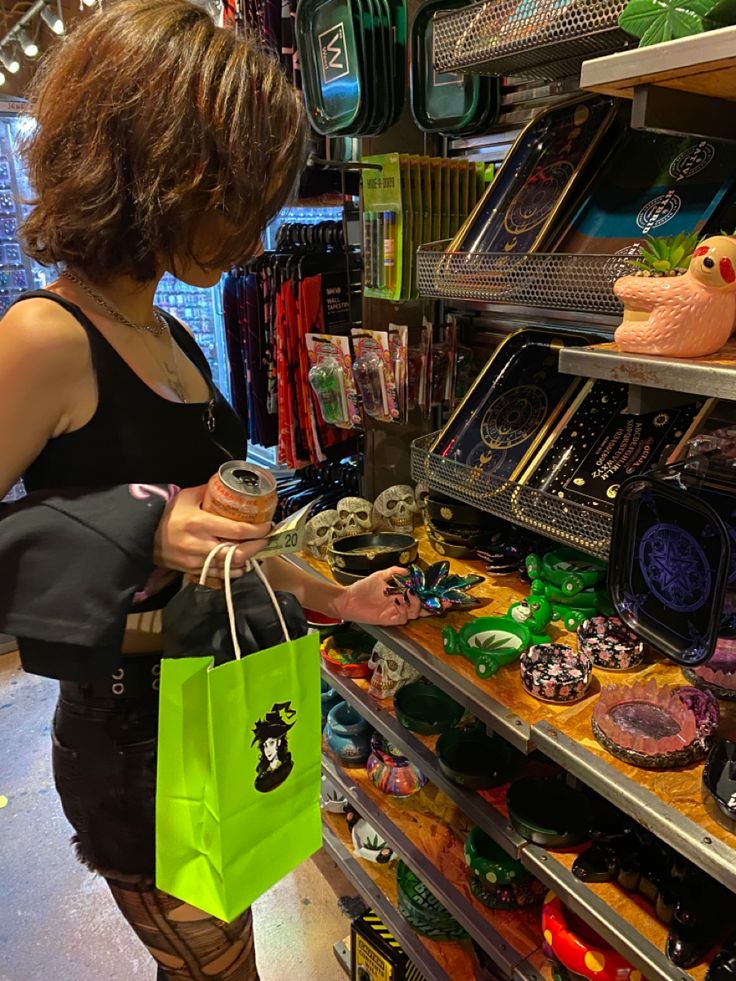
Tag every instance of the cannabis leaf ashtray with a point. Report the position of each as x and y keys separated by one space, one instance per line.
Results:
x=437 y=589
x=655 y=727
x=555 y=673
x=488 y=642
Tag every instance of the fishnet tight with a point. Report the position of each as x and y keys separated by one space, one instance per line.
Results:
x=186 y=943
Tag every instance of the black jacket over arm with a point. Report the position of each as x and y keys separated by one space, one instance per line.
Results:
x=73 y=565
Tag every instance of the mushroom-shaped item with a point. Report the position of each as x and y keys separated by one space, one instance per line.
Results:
x=579 y=948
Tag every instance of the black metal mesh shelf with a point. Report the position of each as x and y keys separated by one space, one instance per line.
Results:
x=548 y=39
x=585 y=528
x=541 y=279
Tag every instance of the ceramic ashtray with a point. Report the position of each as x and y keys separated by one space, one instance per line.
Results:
x=391 y=772
x=555 y=673
x=610 y=644
x=655 y=728
x=426 y=709
x=473 y=759
x=578 y=948
x=331 y=798
x=718 y=675
x=348 y=653
x=370 y=845
x=719 y=776
x=496 y=879
x=488 y=642
x=422 y=910
x=371 y=553
x=547 y=812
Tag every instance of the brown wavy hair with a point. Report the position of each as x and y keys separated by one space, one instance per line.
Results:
x=149 y=120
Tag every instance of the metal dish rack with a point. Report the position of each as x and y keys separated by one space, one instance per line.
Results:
x=533 y=279
x=545 y=39
x=565 y=521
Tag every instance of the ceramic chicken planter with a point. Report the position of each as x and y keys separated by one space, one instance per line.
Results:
x=687 y=316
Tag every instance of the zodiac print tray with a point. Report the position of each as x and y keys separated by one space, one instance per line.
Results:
x=513 y=402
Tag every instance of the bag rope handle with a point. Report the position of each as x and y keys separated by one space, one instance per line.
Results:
x=250 y=565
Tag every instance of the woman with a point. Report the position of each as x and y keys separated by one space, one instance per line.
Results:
x=163 y=144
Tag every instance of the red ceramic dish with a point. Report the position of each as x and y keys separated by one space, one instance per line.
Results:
x=580 y=949
x=355 y=670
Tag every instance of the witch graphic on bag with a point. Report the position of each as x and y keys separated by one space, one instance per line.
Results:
x=276 y=762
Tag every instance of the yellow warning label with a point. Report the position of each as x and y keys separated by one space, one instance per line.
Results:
x=369 y=964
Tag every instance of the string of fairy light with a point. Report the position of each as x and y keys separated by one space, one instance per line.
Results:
x=25 y=38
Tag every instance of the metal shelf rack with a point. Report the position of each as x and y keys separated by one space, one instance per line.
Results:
x=574 y=524
x=529 y=40
x=713 y=376
x=683 y=86
x=580 y=283
x=552 y=870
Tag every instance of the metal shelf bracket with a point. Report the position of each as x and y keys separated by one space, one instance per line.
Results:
x=674 y=112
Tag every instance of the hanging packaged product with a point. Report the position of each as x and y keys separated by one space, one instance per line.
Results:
x=383 y=224
x=398 y=337
x=373 y=374
x=331 y=379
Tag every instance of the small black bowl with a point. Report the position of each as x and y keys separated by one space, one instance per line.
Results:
x=473 y=759
x=719 y=776
x=450 y=551
x=446 y=509
x=347 y=578
x=426 y=708
x=372 y=553
x=468 y=535
x=545 y=811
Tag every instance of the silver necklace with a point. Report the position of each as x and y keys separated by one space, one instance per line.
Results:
x=158 y=329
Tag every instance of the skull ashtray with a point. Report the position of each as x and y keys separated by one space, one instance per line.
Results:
x=555 y=673
x=426 y=709
x=396 y=509
x=488 y=642
x=390 y=672
x=364 y=554
x=654 y=727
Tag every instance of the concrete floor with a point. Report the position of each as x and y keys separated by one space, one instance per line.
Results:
x=57 y=920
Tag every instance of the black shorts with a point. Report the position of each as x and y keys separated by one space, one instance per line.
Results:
x=104 y=737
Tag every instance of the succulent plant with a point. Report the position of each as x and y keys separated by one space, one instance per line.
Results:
x=667 y=256
x=437 y=589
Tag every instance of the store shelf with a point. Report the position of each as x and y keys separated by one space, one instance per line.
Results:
x=377 y=885
x=544 y=280
x=626 y=921
x=543 y=40
x=420 y=750
x=499 y=702
x=712 y=376
x=669 y=803
x=586 y=528
x=682 y=86
x=427 y=831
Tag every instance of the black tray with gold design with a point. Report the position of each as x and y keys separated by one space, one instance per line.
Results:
x=598 y=444
x=537 y=178
x=513 y=402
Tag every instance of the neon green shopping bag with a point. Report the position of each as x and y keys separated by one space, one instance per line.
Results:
x=238 y=784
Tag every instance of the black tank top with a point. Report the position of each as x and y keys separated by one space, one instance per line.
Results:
x=135 y=435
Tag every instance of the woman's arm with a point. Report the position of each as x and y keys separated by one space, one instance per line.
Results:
x=364 y=602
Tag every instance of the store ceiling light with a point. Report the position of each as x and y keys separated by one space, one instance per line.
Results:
x=9 y=62
x=28 y=44
x=52 y=19
x=89 y=3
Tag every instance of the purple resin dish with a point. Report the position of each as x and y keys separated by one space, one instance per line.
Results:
x=718 y=675
x=655 y=728
x=610 y=644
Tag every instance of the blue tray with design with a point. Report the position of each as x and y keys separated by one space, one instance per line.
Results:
x=651 y=185
x=669 y=567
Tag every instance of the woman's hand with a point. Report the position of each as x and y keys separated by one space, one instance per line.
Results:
x=366 y=601
x=186 y=535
